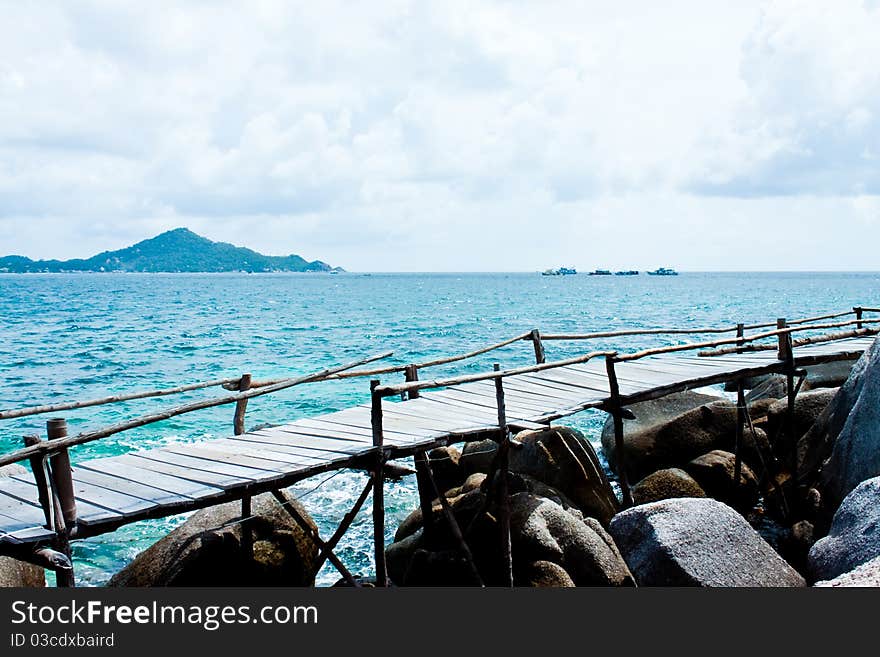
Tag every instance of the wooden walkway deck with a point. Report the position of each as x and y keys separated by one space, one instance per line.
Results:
x=114 y=491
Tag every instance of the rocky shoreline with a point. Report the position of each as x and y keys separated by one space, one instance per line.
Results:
x=805 y=511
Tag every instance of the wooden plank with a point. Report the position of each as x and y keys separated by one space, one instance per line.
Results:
x=198 y=470
x=540 y=392
x=142 y=491
x=520 y=404
x=442 y=419
x=259 y=468
x=23 y=514
x=289 y=462
x=121 y=466
x=105 y=498
x=292 y=441
x=27 y=492
x=341 y=420
x=338 y=435
x=483 y=411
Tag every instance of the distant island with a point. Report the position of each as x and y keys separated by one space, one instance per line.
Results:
x=174 y=251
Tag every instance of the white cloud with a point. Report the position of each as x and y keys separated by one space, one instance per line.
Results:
x=458 y=135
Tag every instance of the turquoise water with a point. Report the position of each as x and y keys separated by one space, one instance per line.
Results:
x=81 y=336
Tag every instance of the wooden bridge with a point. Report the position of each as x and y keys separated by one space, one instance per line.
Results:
x=43 y=510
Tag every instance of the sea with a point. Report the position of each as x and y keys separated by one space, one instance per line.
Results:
x=70 y=337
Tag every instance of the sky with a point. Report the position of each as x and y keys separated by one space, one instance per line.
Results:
x=448 y=136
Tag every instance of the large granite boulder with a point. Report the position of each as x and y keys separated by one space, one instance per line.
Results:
x=666 y=484
x=842 y=449
x=445 y=467
x=828 y=375
x=697 y=542
x=15 y=573
x=808 y=406
x=854 y=538
x=561 y=458
x=679 y=440
x=868 y=574
x=714 y=473
x=541 y=531
x=208 y=550
x=650 y=414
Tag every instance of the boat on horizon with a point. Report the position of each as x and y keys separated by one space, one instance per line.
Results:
x=562 y=271
x=600 y=272
x=663 y=271
x=627 y=272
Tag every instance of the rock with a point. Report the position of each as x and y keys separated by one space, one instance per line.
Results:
x=541 y=530
x=652 y=413
x=207 y=550
x=774 y=386
x=697 y=542
x=808 y=406
x=868 y=574
x=665 y=484
x=684 y=437
x=828 y=375
x=559 y=457
x=714 y=473
x=794 y=545
x=15 y=573
x=477 y=456
x=445 y=467
x=441 y=568
x=842 y=449
x=543 y=574
x=854 y=538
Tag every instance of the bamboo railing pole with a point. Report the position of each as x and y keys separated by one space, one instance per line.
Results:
x=378 y=487
x=82 y=438
x=740 y=333
x=503 y=482
x=387 y=391
x=858 y=311
x=244 y=384
x=112 y=399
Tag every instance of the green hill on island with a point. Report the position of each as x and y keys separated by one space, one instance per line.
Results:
x=178 y=250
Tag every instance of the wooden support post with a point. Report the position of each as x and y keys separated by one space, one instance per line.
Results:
x=312 y=533
x=454 y=526
x=738 y=445
x=412 y=374
x=347 y=519
x=740 y=333
x=247 y=534
x=423 y=480
x=503 y=484
x=38 y=466
x=539 y=347
x=786 y=353
x=62 y=490
x=241 y=405
x=858 y=310
x=378 y=488
x=616 y=411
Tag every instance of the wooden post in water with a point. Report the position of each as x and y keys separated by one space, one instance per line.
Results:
x=247 y=534
x=786 y=353
x=539 y=347
x=411 y=373
x=740 y=333
x=503 y=468
x=378 y=488
x=62 y=489
x=616 y=411
x=858 y=311
x=241 y=405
